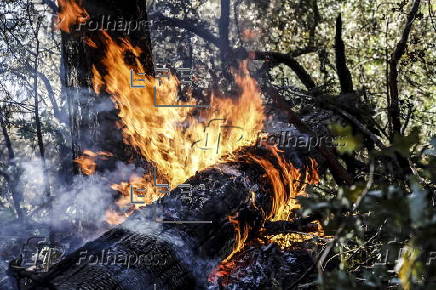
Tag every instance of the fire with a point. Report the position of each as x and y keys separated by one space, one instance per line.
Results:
x=221 y=271
x=70 y=13
x=178 y=140
x=181 y=139
x=241 y=234
x=142 y=189
x=286 y=180
x=287 y=183
x=114 y=218
x=297 y=187
x=87 y=161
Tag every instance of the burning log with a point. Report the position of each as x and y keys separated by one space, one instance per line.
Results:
x=181 y=247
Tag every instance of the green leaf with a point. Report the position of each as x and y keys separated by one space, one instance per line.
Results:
x=408 y=267
x=353 y=192
x=402 y=144
x=346 y=141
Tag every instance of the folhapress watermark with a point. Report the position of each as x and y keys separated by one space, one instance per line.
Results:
x=117 y=257
x=286 y=139
x=119 y=24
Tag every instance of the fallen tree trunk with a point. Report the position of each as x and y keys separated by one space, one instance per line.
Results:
x=181 y=251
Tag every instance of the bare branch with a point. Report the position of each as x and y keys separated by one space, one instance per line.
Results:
x=11 y=153
x=394 y=108
x=288 y=60
x=341 y=61
x=188 y=24
x=302 y=225
x=362 y=128
x=339 y=173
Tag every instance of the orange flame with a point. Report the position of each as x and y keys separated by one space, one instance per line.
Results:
x=178 y=140
x=87 y=162
x=114 y=218
x=143 y=191
x=181 y=140
x=287 y=183
x=241 y=232
x=70 y=13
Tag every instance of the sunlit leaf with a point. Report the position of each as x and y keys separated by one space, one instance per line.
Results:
x=345 y=142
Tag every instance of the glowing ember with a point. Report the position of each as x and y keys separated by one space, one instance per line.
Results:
x=287 y=182
x=221 y=271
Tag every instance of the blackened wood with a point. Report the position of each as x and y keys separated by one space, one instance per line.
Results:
x=342 y=70
x=180 y=256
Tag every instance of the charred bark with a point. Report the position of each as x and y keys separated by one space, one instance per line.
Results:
x=289 y=60
x=341 y=61
x=92 y=128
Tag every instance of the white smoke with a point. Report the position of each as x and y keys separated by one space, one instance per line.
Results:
x=84 y=201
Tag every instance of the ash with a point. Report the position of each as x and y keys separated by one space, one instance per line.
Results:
x=266 y=267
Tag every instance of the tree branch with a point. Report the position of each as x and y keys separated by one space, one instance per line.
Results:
x=288 y=60
x=52 y=5
x=222 y=42
x=11 y=153
x=51 y=96
x=362 y=128
x=224 y=23
x=339 y=173
x=341 y=61
x=188 y=24
x=300 y=225
x=394 y=108
x=224 y=46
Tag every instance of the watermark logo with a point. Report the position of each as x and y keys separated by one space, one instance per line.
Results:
x=121 y=258
x=108 y=23
x=184 y=76
x=39 y=255
x=207 y=142
x=286 y=139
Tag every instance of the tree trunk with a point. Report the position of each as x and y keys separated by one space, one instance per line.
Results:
x=13 y=178
x=92 y=128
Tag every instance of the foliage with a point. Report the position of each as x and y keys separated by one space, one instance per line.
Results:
x=385 y=235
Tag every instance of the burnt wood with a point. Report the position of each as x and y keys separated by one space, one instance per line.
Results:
x=173 y=255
